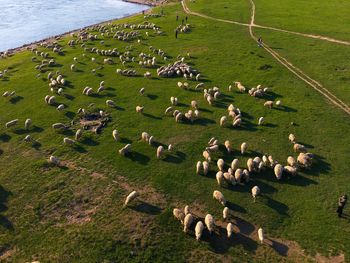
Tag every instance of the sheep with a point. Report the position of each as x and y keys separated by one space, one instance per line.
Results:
x=290 y=169
x=173 y=101
x=265 y=160
x=246 y=175
x=209 y=222
x=151 y=139
x=261 y=121
x=213 y=148
x=291 y=138
x=229 y=229
x=178 y=117
x=299 y=148
x=207 y=156
x=291 y=161
x=278 y=103
x=187 y=210
x=234 y=164
x=243 y=148
x=240 y=87
x=132 y=196
x=60 y=107
x=180 y=84
x=278 y=171
x=255 y=192
x=219 y=197
x=59 y=125
x=160 y=151
x=115 y=135
x=142 y=91
x=220 y=163
x=145 y=136
x=110 y=103
x=27 y=124
x=198 y=167
x=60 y=91
x=188 y=222
x=139 y=109
x=205 y=167
x=100 y=89
x=210 y=99
x=272 y=161
x=51 y=100
x=200 y=85
x=238 y=175
x=304 y=159
x=170 y=147
x=179 y=215
x=126 y=149
x=72 y=67
x=194 y=104
x=68 y=141
x=168 y=110
x=78 y=134
x=250 y=165
x=223 y=120
x=28 y=138
x=54 y=160
x=225 y=213
x=11 y=123
x=269 y=104
x=211 y=141
x=261 y=235
x=199 y=230
x=220 y=178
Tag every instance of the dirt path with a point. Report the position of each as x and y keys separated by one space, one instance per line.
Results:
x=283 y=61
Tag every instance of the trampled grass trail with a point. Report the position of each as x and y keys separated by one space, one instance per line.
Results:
x=283 y=61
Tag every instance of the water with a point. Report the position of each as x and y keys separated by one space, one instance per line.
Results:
x=26 y=21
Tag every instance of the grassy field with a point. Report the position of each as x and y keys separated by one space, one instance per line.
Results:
x=74 y=213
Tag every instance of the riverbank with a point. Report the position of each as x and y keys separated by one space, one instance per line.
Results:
x=151 y=4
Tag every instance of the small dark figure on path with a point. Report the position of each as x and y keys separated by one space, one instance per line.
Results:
x=341 y=204
x=182 y=22
x=177 y=18
x=260 y=42
x=186 y=19
x=143 y=12
x=176 y=32
x=162 y=12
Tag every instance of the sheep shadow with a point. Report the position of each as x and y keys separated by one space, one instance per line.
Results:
x=179 y=157
x=148 y=115
x=36 y=145
x=79 y=148
x=5 y=137
x=138 y=157
x=152 y=96
x=279 y=207
x=69 y=114
x=285 y=108
x=35 y=129
x=235 y=207
x=279 y=247
x=16 y=99
x=204 y=121
x=4 y=221
x=147 y=208
x=125 y=140
x=89 y=141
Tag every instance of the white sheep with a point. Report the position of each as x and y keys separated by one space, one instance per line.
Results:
x=213 y=148
x=174 y=101
x=115 y=135
x=220 y=178
x=278 y=171
x=179 y=215
x=60 y=107
x=229 y=229
x=139 y=109
x=219 y=197
x=54 y=160
x=194 y=104
x=278 y=103
x=272 y=161
x=142 y=91
x=187 y=210
x=170 y=147
x=198 y=167
x=188 y=222
x=261 y=121
x=255 y=192
x=225 y=213
x=207 y=156
x=290 y=169
x=125 y=149
x=238 y=175
x=243 y=148
x=78 y=134
x=178 y=117
x=168 y=110
x=291 y=161
x=132 y=196
x=151 y=139
x=304 y=159
x=11 y=123
x=223 y=120
x=160 y=151
x=72 y=67
x=68 y=141
x=209 y=222
x=205 y=167
x=28 y=138
x=250 y=165
x=299 y=148
x=27 y=124
x=59 y=125
x=220 y=163
x=228 y=146
x=261 y=235
x=51 y=100
x=291 y=138
x=235 y=164
x=269 y=104
x=240 y=87
x=199 y=230
x=110 y=103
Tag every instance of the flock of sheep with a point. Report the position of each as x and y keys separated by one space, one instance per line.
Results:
x=234 y=173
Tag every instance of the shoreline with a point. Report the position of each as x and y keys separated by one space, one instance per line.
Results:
x=150 y=4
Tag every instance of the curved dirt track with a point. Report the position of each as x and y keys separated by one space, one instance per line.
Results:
x=296 y=71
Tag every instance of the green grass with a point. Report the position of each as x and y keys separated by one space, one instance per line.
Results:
x=38 y=200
